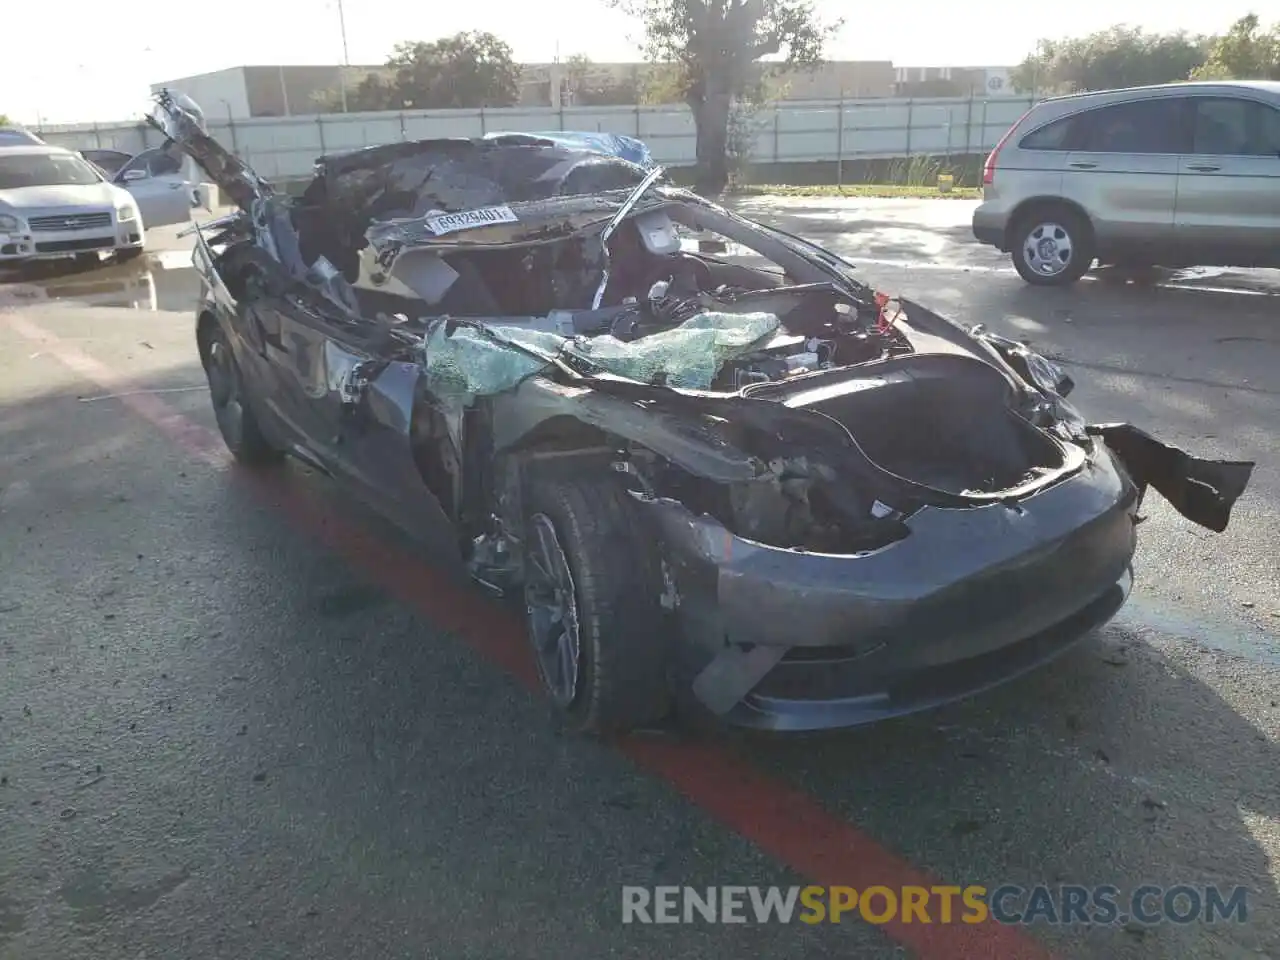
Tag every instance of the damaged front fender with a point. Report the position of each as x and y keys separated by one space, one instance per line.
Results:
x=1203 y=491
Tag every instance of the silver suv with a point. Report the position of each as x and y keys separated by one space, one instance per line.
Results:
x=1175 y=175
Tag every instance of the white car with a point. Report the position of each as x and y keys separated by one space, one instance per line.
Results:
x=18 y=137
x=53 y=203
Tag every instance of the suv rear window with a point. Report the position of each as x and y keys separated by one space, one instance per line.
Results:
x=1053 y=136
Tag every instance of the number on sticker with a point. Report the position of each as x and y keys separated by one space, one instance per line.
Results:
x=466 y=219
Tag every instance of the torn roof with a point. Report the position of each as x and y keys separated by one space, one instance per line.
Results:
x=413 y=179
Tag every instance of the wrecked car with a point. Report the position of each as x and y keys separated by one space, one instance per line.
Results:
x=749 y=485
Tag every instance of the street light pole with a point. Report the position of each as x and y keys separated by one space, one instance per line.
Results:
x=284 y=89
x=342 y=72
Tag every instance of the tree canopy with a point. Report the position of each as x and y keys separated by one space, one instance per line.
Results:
x=1245 y=52
x=591 y=87
x=715 y=45
x=1124 y=56
x=1121 y=56
x=467 y=70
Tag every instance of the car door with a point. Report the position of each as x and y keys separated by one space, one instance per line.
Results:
x=1123 y=170
x=154 y=178
x=1229 y=182
x=108 y=161
x=349 y=396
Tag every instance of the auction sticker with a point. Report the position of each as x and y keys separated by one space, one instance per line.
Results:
x=465 y=220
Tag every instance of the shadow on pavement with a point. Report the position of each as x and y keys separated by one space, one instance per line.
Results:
x=143 y=285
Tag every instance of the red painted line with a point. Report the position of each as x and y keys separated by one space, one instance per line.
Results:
x=784 y=822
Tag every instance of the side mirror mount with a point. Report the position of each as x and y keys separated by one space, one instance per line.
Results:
x=130 y=176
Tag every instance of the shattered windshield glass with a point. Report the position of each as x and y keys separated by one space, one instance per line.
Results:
x=468 y=363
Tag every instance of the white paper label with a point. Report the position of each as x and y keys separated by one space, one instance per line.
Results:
x=484 y=217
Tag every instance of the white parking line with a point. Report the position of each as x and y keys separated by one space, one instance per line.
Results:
x=929 y=265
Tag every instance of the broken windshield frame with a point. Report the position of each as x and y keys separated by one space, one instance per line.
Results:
x=632 y=199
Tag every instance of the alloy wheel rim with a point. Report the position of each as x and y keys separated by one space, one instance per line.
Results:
x=551 y=603
x=1048 y=249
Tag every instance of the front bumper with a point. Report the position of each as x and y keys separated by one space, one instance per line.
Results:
x=788 y=640
x=56 y=244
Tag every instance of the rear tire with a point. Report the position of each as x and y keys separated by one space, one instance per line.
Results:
x=1051 y=246
x=603 y=656
x=231 y=407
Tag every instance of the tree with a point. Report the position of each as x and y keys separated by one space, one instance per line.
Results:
x=372 y=93
x=1118 y=57
x=715 y=45
x=467 y=70
x=470 y=69
x=592 y=87
x=4 y=120
x=1244 y=52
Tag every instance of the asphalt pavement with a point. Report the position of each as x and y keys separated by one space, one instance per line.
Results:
x=241 y=718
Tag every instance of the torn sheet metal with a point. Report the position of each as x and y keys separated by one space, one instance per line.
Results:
x=381 y=242
x=608 y=144
x=1203 y=491
x=182 y=121
x=409 y=180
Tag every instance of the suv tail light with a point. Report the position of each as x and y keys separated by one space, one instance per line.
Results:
x=989 y=168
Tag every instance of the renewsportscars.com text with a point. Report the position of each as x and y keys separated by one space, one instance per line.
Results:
x=1066 y=904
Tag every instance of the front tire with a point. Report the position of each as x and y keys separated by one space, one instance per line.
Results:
x=592 y=608
x=236 y=420
x=1052 y=246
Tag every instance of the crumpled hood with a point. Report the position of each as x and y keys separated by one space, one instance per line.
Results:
x=71 y=195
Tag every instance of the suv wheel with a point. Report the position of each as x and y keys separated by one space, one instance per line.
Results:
x=1052 y=246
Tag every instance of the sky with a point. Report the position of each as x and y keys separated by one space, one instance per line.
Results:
x=96 y=61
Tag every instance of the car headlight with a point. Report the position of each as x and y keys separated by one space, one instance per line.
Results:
x=126 y=213
x=9 y=224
